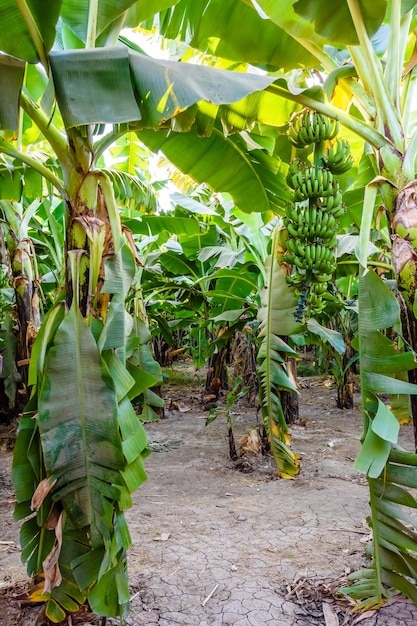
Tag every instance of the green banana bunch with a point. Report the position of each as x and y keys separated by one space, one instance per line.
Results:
x=333 y=203
x=312 y=219
x=311 y=223
x=314 y=259
x=308 y=127
x=318 y=289
x=338 y=158
x=309 y=181
x=316 y=304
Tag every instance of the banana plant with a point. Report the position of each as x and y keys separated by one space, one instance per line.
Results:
x=22 y=264
x=276 y=322
x=389 y=469
x=80 y=446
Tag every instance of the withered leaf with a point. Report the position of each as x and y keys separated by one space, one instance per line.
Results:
x=41 y=492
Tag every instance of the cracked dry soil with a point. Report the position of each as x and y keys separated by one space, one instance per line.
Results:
x=215 y=546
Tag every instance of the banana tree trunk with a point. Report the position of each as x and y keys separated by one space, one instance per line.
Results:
x=18 y=256
x=344 y=384
x=27 y=306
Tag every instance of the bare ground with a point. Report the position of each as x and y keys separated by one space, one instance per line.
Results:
x=213 y=545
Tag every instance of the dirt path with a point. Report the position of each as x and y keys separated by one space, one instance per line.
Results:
x=214 y=546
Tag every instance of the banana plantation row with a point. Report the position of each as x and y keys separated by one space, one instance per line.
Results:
x=291 y=134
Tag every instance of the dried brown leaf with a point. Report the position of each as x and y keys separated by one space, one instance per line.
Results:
x=53 y=577
x=53 y=516
x=41 y=492
x=250 y=443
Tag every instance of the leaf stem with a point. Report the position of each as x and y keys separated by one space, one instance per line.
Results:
x=394 y=56
x=92 y=24
x=389 y=121
x=34 y=33
x=57 y=140
x=114 y=32
x=106 y=141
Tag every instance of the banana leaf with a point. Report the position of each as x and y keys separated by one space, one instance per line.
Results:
x=19 y=25
x=8 y=371
x=75 y=14
x=390 y=471
x=78 y=427
x=241 y=35
x=12 y=72
x=317 y=21
x=232 y=288
x=165 y=88
x=88 y=441
x=224 y=165
x=155 y=224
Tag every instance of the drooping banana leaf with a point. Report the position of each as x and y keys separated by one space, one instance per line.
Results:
x=390 y=471
x=241 y=35
x=276 y=317
x=89 y=445
x=79 y=429
x=12 y=72
x=224 y=164
x=146 y=371
x=98 y=77
x=164 y=88
x=9 y=372
x=28 y=29
x=75 y=13
x=327 y=335
x=74 y=444
x=332 y=23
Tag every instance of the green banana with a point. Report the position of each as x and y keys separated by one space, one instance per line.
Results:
x=288 y=258
x=298 y=278
x=301 y=251
x=323 y=278
x=289 y=212
x=300 y=263
x=318 y=288
x=290 y=243
x=338 y=211
x=294 y=138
